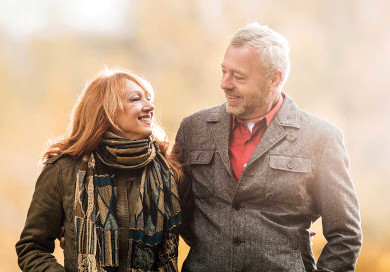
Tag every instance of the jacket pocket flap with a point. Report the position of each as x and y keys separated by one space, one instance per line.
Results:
x=290 y=163
x=201 y=156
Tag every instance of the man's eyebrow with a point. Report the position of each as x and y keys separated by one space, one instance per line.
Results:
x=237 y=71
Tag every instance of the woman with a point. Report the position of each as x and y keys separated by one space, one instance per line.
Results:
x=110 y=184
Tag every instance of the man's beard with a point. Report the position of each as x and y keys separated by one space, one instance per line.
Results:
x=250 y=104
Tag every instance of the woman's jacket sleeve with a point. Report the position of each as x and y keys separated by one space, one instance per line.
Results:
x=43 y=224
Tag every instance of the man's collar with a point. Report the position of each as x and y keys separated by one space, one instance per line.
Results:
x=268 y=117
x=288 y=115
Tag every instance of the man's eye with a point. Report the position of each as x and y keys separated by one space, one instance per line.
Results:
x=238 y=77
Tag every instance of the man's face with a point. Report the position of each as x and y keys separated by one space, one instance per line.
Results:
x=245 y=84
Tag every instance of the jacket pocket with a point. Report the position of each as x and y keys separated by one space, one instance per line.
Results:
x=281 y=260
x=287 y=178
x=290 y=163
x=201 y=167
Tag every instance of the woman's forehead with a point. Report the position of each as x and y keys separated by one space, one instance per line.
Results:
x=132 y=87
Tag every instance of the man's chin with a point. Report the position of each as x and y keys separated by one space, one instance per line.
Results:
x=236 y=111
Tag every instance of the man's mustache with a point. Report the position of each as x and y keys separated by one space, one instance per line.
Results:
x=231 y=92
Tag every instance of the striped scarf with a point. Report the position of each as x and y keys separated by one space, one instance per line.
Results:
x=153 y=232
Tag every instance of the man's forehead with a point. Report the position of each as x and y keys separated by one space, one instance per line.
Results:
x=240 y=59
x=241 y=50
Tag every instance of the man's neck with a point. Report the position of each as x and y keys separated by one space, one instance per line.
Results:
x=265 y=112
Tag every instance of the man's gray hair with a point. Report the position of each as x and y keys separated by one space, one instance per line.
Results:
x=273 y=48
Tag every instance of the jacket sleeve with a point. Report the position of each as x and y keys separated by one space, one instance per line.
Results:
x=43 y=224
x=185 y=190
x=338 y=205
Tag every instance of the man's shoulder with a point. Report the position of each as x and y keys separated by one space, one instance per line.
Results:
x=309 y=121
x=207 y=114
x=318 y=124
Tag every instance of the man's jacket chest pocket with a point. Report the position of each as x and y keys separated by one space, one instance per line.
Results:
x=201 y=169
x=287 y=178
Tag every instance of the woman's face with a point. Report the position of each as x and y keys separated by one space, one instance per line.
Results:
x=135 y=119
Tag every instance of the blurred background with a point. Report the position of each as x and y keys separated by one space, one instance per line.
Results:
x=340 y=55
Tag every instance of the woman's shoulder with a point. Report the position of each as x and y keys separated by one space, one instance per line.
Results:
x=61 y=161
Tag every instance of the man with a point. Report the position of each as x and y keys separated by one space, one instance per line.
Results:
x=262 y=170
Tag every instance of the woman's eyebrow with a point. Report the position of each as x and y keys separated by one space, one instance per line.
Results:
x=132 y=92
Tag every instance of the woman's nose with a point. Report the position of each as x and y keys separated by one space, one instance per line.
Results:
x=148 y=106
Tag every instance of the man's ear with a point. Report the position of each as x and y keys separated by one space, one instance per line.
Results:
x=275 y=79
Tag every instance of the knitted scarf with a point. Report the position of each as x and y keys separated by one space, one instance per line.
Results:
x=153 y=230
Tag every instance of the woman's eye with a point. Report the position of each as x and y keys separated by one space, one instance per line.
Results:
x=134 y=99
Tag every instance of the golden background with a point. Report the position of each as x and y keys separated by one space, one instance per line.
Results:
x=340 y=65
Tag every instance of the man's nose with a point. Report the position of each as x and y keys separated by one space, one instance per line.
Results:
x=226 y=82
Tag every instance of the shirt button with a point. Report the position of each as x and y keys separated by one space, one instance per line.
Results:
x=290 y=165
x=236 y=206
x=245 y=164
x=237 y=241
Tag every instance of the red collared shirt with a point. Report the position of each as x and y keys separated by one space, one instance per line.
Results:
x=243 y=142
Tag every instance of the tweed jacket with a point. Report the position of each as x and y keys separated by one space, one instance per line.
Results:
x=297 y=173
x=52 y=207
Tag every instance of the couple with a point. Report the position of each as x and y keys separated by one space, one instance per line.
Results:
x=243 y=184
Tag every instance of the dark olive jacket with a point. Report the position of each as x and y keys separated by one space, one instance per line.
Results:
x=52 y=207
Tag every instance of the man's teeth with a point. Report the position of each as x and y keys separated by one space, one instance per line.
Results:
x=233 y=96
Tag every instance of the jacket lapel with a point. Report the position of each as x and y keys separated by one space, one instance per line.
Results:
x=220 y=120
x=220 y=129
x=288 y=115
x=272 y=135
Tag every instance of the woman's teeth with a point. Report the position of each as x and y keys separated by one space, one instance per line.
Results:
x=145 y=119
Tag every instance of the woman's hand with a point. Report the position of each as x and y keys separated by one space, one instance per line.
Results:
x=61 y=238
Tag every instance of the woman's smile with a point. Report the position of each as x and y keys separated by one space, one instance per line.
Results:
x=134 y=120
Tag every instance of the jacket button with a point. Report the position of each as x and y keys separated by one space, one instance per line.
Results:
x=236 y=206
x=237 y=241
x=290 y=165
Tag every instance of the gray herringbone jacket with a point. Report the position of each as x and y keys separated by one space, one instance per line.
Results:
x=297 y=173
